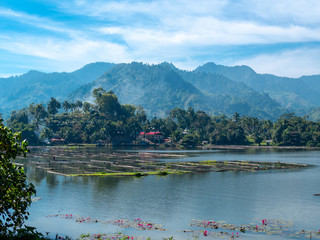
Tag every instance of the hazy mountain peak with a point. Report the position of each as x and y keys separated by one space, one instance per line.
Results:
x=162 y=87
x=212 y=67
x=168 y=65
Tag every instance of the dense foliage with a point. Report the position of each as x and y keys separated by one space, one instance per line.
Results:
x=160 y=88
x=213 y=88
x=298 y=94
x=37 y=87
x=108 y=121
x=15 y=192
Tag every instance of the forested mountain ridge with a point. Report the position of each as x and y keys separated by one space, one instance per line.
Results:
x=157 y=88
x=238 y=96
x=34 y=86
x=295 y=93
x=160 y=88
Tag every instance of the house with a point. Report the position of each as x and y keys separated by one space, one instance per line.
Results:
x=154 y=137
x=57 y=140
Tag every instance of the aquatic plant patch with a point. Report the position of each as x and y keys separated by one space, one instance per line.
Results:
x=115 y=236
x=137 y=224
x=200 y=228
x=222 y=229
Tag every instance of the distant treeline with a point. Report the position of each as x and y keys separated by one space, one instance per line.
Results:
x=107 y=119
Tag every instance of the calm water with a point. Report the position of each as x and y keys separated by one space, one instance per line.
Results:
x=174 y=200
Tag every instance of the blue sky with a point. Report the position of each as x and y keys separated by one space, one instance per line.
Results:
x=281 y=37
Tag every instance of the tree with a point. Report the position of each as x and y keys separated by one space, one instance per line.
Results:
x=107 y=103
x=53 y=106
x=72 y=106
x=236 y=117
x=79 y=104
x=66 y=105
x=39 y=113
x=15 y=192
x=189 y=140
x=86 y=107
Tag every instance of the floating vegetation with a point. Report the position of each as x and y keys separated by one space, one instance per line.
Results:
x=222 y=229
x=137 y=224
x=135 y=174
x=77 y=218
x=116 y=236
x=201 y=228
x=124 y=223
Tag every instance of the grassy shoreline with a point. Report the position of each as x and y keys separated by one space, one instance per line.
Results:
x=125 y=174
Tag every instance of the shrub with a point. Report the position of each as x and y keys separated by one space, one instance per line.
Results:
x=15 y=192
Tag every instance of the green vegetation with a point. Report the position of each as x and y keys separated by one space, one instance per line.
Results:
x=208 y=162
x=15 y=192
x=299 y=94
x=108 y=122
x=159 y=88
x=135 y=174
x=38 y=87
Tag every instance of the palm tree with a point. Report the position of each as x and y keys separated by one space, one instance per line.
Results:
x=66 y=105
x=79 y=104
x=73 y=106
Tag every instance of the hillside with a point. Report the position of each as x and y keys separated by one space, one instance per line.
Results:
x=38 y=87
x=160 y=88
x=213 y=88
x=298 y=94
x=155 y=87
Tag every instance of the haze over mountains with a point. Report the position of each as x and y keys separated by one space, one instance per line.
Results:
x=159 y=88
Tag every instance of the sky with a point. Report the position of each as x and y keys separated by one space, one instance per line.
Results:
x=280 y=37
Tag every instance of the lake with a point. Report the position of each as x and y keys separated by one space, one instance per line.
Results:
x=173 y=201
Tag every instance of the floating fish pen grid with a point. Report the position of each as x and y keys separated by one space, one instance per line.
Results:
x=87 y=161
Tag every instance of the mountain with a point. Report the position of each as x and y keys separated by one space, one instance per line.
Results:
x=244 y=99
x=160 y=88
x=213 y=88
x=294 y=93
x=38 y=87
x=157 y=88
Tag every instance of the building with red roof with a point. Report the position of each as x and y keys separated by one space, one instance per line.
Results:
x=154 y=137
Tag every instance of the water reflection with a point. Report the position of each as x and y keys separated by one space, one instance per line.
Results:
x=174 y=200
x=35 y=175
x=51 y=180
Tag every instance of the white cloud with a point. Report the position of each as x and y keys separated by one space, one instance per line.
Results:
x=165 y=30
x=6 y=75
x=69 y=53
x=36 y=21
x=283 y=11
x=159 y=8
x=210 y=31
x=288 y=12
x=290 y=63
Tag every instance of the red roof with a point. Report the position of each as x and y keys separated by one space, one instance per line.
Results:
x=57 y=140
x=151 y=133
x=154 y=133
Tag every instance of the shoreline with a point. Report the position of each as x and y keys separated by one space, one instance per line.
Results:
x=237 y=147
x=204 y=147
